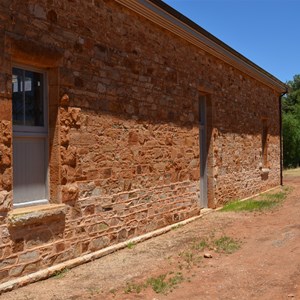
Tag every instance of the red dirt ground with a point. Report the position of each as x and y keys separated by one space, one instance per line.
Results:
x=267 y=265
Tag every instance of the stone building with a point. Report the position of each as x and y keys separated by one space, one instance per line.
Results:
x=119 y=117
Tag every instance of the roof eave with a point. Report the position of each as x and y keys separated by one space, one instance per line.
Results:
x=165 y=16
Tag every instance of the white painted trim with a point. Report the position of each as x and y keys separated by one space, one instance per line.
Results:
x=162 y=18
x=30 y=203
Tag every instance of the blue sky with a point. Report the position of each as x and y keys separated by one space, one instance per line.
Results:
x=265 y=31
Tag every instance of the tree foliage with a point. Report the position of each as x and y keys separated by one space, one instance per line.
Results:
x=291 y=124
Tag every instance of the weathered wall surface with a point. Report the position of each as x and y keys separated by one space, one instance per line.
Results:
x=237 y=140
x=124 y=134
x=5 y=129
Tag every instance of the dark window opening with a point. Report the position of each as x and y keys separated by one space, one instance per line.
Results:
x=27 y=98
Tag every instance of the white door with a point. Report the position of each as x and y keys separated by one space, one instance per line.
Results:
x=30 y=137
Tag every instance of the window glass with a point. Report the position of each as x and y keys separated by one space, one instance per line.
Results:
x=28 y=104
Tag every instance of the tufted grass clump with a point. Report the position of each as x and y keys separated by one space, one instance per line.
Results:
x=130 y=245
x=163 y=285
x=226 y=245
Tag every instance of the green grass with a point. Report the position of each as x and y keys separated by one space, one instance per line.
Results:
x=177 y=226
x=60 y=274
x=134 y=287
x=249 y=205
x=130 y=245
x=201 y=245
x=161 y=284
x=226 y=245
x=266 y=201
x=190 y=258
x=280 y=196
x=158 y=284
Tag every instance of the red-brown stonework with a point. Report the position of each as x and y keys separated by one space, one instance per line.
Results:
x=124 y=155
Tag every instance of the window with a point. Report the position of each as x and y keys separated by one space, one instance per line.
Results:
x=28 y=98
x=30 y=137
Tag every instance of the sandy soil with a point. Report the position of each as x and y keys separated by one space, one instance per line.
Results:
x=267 y=265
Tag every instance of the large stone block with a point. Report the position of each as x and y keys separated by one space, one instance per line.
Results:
x=5 y=201
x=70 y=192
x=99 y=243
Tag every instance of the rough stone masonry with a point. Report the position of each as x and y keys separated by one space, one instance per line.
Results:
x=123 y=141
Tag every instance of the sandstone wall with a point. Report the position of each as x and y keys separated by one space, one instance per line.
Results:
x=123 y=129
